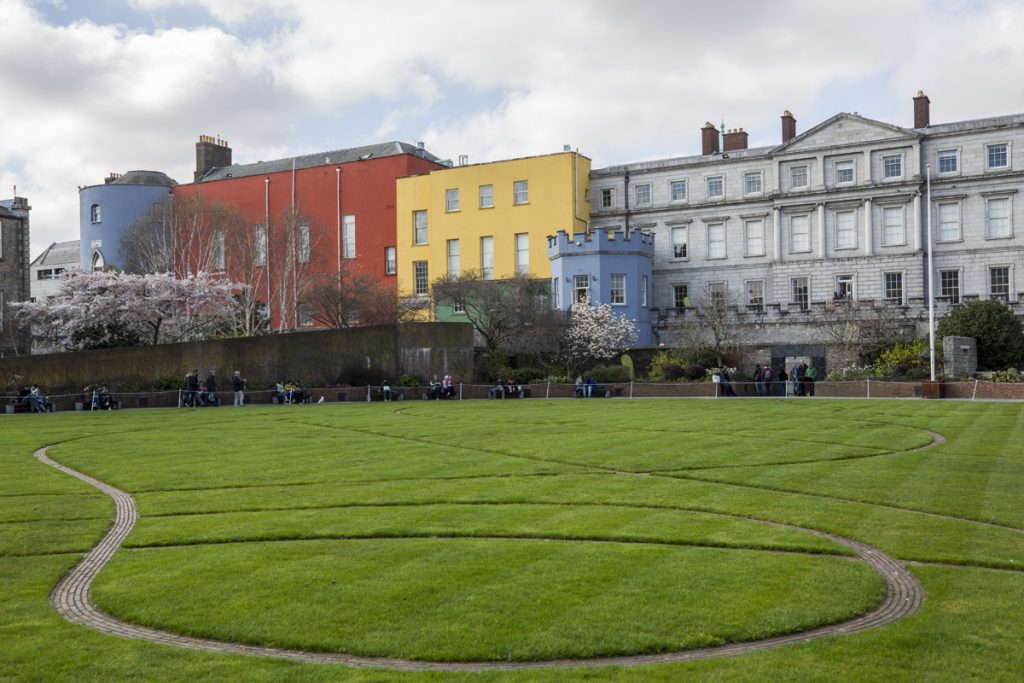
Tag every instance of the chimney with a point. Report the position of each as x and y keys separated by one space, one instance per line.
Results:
x=788 y=126
x=734 y=139
x=211 y=153
x=922 y=115
x=421 y=150
x=709 y=139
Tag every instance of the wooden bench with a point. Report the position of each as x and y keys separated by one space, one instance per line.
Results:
x=17 y=404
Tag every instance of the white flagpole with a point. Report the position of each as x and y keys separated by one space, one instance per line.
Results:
x=931 y=273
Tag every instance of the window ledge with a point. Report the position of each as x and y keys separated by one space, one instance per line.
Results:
x=999 y=237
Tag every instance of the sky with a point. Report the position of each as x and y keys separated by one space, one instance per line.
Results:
x=91 y=87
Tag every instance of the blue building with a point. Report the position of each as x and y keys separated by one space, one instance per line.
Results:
x=108 y=211
x=604 y=267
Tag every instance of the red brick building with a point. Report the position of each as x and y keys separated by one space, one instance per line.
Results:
x=303 y=217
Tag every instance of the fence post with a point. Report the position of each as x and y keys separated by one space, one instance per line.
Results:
x=975 y=392
x=547 y=392
x=631 y=388
x=369 y=389
x=460 y=391
x=868 y=381
x=179 y=400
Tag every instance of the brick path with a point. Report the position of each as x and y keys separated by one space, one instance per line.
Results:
x=71 y=599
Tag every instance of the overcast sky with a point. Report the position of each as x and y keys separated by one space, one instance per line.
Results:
x=94 y=86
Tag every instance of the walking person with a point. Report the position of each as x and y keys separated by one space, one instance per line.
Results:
x=211 y=389
x=191 y=388
x=238 y=386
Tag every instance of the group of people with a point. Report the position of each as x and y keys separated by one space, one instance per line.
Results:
x=802 y=379
x=443 y=389
x=33 y=397
x=505 y=389
x=585 y=386
x=290 y=393
x=200 y=393
x=99 y=397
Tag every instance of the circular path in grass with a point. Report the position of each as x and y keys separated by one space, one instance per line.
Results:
x=71 y=598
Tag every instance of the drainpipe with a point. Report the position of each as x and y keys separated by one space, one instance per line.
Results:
x=625 y=196
x=266 y=234
x=337 y=174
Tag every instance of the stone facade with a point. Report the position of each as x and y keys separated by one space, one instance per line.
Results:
x=837 y=213
x=14 y=271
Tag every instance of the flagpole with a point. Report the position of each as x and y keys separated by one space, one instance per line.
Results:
x=931 y=273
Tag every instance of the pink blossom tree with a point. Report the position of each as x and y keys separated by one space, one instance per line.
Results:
x=104 y=309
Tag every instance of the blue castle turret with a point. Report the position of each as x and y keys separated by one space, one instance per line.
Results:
x=604 y=267
x=108 y=211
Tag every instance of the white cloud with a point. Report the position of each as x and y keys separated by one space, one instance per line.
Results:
x=621 y=81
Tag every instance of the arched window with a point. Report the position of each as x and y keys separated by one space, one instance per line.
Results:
x=97 y=260
x=94 y=213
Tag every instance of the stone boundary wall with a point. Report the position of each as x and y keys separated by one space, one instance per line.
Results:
x=315 y=358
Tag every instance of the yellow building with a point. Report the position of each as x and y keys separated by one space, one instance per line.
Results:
x=493 y=218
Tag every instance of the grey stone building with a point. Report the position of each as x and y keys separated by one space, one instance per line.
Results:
x=14 y=271
x=831 y=220
x=48 y=268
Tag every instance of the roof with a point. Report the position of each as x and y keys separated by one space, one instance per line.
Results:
x=59 y=254
x=672 y=162
x=338 y=156
x=144 y=178
x=973 y=124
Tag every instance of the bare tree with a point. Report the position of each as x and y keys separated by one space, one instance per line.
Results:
x=354 y=299
x=291 y=243
x=714 y=323
x=511 y=315
x=862 y=327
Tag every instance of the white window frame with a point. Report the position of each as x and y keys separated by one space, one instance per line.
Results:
x=959 y=295
x=643 y=291
x=794 y=248
x=846 y=284
x=902 y=298
x=487 y=257
x=260 y=246
x=806 y=172
x=607 y=197
x=555 y=289
x=711 y=181
x=451 y=200
x=898 y=158
x=420 y=229
x=750 y=179
x=1008 y=284
x=348 y=236
x=304 y=315
x=677 y=289
x=617 y=289
x=642 y=194
x=420 y=278
x=390 y=260
x=989 y=233
x=1006 y=156
x=753 y=300
x=753 y=237
x=887 y=213
x=717 y=248
x=683 y=230
x=681 y=196
x=947 y=153
x=718 y=290
x=302 y=247
x=522 y=243
x=942 y=233
x=842 y=166
x=521 y=192
x=580 y=289
x=454 y=259
x=845 y=235
x=487 y=196
x=793 y=282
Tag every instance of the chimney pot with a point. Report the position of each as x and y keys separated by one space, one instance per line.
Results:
x=734 y=139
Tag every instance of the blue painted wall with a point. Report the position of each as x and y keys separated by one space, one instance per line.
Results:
x=121 y=204
x=598 y=255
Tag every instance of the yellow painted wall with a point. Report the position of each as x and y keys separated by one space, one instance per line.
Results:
x=557 y=201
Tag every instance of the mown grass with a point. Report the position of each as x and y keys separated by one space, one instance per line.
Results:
x=527 y=530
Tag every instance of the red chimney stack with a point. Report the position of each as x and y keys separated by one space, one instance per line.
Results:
x=788 y=126
x=922 y=113
x=709 y=139
x=734 y=139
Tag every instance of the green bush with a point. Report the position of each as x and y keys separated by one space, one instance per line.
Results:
x=410 y=381
x=1008 y=375
x=169 y=384
x=853 y=372
x=610 y=374
x=662 y=358
x=526 y=375
x=901 y=360
x=997 y=330
x=696 y=372
x=673 y=372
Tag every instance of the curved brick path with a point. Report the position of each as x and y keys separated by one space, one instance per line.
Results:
x=904 y=595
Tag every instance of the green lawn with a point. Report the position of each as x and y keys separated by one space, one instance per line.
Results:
x=527 y=530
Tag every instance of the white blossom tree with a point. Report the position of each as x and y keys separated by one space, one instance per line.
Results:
x=105 y=309
x=598 y=333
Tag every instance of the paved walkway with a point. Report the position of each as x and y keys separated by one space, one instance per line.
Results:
x=904 y=595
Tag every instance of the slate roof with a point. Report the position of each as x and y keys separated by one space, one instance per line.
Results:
x=338 y=156
x=145 y=178
x=59 y=254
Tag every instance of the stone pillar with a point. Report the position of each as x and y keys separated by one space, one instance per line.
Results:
x=777 y=233
x=917 y=222
x=959 y=356
x=821 y=230
x=869 y=248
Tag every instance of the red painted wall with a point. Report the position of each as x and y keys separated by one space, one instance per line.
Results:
x=367 y=192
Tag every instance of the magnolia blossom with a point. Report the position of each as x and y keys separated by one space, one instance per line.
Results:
x=597 y=332
x=103 y=309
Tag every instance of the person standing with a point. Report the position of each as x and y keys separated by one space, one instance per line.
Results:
x=211 y=389
x=385 y=390
x=238 y=386
x=191 y=388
